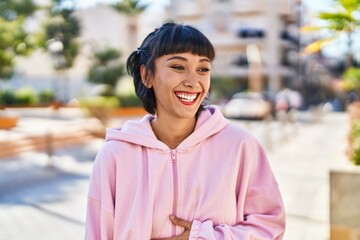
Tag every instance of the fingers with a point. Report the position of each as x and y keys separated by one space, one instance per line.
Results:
x=180 y=222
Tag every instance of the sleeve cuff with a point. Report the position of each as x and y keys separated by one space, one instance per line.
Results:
x=195 y=230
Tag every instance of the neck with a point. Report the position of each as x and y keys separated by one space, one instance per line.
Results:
x=173 y=132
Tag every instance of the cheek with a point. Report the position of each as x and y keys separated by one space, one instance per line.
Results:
x=206 y=84
x=164 y=77
x=163 y=86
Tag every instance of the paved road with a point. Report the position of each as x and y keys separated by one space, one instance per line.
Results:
x=38 y=202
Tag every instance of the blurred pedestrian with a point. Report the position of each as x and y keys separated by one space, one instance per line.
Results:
x=182 y=171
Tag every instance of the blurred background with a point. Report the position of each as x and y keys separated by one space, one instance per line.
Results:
x=287 y=70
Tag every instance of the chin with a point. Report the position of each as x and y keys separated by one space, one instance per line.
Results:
x=190 y=113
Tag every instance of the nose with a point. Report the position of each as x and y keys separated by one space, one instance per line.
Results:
x=191 y=80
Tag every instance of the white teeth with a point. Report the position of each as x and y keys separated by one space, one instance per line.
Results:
x=187 y=97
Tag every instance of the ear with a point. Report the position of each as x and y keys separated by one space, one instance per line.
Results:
x=145 y=77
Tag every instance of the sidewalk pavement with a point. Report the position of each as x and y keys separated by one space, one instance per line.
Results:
x=40 y=121
x=40 y=202
x=302 y=165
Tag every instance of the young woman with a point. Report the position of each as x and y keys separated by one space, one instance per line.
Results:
x=182 y=171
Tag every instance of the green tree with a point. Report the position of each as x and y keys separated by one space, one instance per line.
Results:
x=61 y=33
x=106 y=69
x=344 y=20
x=131 y=9
x=14 y=40
x=12 y=9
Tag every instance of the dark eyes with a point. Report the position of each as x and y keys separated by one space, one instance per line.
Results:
x=178 y=67
x=181 y=68
x=204 y=70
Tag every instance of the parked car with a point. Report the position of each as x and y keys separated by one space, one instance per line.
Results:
x=247 y=105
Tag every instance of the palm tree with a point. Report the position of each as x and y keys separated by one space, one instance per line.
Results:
x=131 y=9
x=344 y=21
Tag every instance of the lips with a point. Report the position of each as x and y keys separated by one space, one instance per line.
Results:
x=187 y=97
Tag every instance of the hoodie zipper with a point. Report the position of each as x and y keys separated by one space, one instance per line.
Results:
x=175 y=186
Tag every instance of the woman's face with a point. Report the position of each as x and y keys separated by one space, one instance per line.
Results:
x=181 y=82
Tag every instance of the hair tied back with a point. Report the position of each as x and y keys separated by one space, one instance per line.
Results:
x=138 y=50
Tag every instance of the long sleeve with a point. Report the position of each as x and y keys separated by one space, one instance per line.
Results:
x=99 y=223
x=100 y=207
x=266 y=221
x=260 y=209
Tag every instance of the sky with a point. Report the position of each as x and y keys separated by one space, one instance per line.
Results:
x=317 y=5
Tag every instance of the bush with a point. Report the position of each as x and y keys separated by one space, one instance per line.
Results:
x=130 y=101
x=355 y=143
x=352 y=80
x=7 y=97
x=26 y=96
x=356 y=156
x=100 y=102
x=100 y=107
x=46 y=96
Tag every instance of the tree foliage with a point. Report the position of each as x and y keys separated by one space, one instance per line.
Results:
x=106 y=69
x=12 y=9
x=344 y=20
x=63 y=27
x=14 y=40
x=352 y=80
x=130 y=7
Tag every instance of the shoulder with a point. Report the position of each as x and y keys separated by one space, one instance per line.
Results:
x=108 y=152
x=244 y=142
x=114 y=147
x=238 y=134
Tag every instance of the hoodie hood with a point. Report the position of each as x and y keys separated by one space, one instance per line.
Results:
x=139 y=132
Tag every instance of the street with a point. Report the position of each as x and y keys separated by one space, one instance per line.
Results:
x=41 y=202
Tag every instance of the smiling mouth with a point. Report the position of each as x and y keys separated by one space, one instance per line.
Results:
x=187 y=97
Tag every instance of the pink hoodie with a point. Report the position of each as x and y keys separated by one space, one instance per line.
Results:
x=218 y=177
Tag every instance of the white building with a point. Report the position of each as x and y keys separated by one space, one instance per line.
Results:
x=261 y=32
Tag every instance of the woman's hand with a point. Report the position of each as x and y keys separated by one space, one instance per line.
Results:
x=182 y=223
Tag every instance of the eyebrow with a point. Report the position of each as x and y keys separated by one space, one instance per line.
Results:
x=184 y=59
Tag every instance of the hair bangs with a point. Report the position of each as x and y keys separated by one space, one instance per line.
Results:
x=183 y=39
